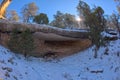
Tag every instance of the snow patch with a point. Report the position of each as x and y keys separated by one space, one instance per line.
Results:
x=80 y=66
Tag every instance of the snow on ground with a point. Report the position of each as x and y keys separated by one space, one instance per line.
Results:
x=81 y=66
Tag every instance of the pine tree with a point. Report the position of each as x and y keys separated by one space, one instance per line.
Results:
x=21 y=42
x=95 y=21
x=41 y=19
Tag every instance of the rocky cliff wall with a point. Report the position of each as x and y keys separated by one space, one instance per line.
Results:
x=47 y=39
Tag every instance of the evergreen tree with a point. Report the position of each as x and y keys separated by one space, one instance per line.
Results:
x=95 y=21
x=69 y=20
x=21 y=42
x=14 y=41
x=26 y=42
x=58 y=20
x=62 y=20
x=41 y=19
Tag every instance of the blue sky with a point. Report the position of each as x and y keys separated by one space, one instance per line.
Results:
x=66 y=6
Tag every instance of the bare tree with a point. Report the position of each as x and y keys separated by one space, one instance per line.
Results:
x=12 y=15
x=115 y=20
x=4 y=4
x=118 y=5
x=109 y=23
x=29 y=11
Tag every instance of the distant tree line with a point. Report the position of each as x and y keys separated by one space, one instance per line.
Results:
x=30 y=14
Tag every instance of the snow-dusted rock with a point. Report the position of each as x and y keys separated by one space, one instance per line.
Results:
x=47 y=38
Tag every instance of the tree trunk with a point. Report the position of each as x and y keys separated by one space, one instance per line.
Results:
x=95 y=54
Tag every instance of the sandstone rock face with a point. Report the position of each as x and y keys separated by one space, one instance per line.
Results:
x=61 y=48
x=4 y=39
x=47 y=39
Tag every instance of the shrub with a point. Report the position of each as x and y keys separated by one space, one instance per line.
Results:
x=21 y=42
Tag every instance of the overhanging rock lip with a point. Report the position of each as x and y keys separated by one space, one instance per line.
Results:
x=61 y=34
x=53 y=37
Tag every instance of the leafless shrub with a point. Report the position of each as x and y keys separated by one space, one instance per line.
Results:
x=7 y=69
x=11 y=60
x=15 y=77
x=7 y=74
x=67 y=76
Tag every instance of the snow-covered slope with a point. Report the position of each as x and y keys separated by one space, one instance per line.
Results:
x=81 y=66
